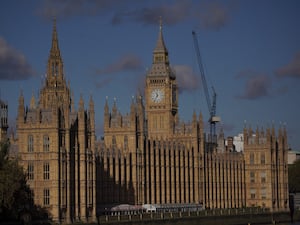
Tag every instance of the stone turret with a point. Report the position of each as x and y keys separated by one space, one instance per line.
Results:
x=21 y=109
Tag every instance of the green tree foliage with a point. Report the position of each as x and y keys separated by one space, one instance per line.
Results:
x=14 y=192
x=294 y=177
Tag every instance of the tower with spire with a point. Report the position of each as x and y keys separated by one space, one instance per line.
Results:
x=56 y=145
x=161 y=92
x=142 y=151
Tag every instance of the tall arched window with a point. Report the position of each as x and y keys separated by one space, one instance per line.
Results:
x=46 y=143
x=30 y=171
x=46 y=197
x=30 y=143
x=46 y=171
x=251 y=158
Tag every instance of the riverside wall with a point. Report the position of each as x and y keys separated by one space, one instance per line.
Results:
x=205 y=217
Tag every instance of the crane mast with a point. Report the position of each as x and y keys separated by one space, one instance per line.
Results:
x=211 y=106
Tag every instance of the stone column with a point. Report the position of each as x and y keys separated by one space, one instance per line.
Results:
x=117 y=177
x=163 y=176
x=168 y=180
x=157 y=175
x=152 y=174
x=177 y=162
x=172 y=175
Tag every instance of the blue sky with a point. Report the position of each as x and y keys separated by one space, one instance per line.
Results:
x=250 y=51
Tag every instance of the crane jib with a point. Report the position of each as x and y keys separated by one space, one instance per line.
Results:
x=211 y=106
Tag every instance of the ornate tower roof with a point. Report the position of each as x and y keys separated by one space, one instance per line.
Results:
x=160 y=44
x=55 y=63
x=160 y=62
x=54 y=52
x=55 y=92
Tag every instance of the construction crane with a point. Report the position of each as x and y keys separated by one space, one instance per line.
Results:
x=211 y=106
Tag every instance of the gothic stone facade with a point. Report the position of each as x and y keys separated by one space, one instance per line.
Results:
x=266 y=168
x=56 y=146
x=149 y=156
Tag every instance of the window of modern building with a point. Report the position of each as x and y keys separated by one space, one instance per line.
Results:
x=46 y=171
x=30 y=143
x=46 y=143
x=30 y=171
x=46 y=197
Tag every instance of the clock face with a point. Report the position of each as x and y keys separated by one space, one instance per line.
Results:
x=157 y=95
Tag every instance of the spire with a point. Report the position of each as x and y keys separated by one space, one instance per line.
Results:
x=132 y=106
x=91 y=104
x=21 y=108
x=21 y=98
x=160 y=44
x=114 y=108
x=194 y=116
x=55 y=64
x=54 y=48
x=160 y=53
x=81 y=104
x=106 y=109
x=32 y=102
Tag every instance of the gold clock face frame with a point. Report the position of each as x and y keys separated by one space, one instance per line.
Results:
x=157 y=95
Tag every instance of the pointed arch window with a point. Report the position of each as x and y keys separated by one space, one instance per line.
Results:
x=46 y=143
x=263 y=193
x=252 y=177
x=251 y=158
x=54 y=69
x=46 y=171
x=30 y=143
x=46 y=197
x=252 y=193
x=30 y=171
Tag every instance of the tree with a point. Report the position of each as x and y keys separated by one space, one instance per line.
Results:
x=15 y=194
x=294 y=177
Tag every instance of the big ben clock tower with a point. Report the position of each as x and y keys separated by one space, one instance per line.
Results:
x=161 y=93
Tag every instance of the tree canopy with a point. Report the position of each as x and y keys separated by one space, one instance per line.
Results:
x=15 y=194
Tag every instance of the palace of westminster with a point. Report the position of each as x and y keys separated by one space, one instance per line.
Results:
x=148 y=156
